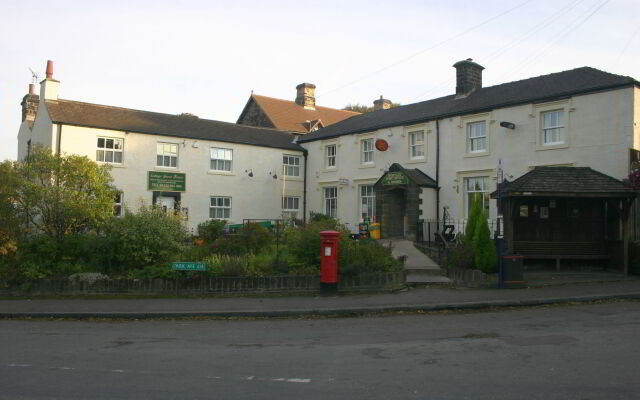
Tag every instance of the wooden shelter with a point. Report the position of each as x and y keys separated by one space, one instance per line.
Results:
x=567 y=213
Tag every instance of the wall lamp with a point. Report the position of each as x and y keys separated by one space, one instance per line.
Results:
x=273 y=175
x=508 y=125
x=249 y=172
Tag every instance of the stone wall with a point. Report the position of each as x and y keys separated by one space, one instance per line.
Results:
x=254 y=116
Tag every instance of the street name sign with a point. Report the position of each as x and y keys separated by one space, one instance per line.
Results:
x=188 y=266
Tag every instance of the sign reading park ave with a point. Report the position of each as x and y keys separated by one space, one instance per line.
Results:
x=167 y=181
x=395 y=178
x=188 y=266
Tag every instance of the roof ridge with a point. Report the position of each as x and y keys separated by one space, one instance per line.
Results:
x=316 y=106
x=166 y=114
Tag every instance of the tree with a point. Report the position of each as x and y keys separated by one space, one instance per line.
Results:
x=9 y=221
x=484 y=249
x=475 y=215
x=59 y=195
x=362 y=108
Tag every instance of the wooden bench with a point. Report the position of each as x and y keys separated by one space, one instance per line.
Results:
x=561 y=251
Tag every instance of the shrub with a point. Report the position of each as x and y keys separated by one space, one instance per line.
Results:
x=224 y=265
x=475 y=215
x=484 y=249
x=250 y=239
x=461 y=256
x=137 y=240
x=211 y=230
x=366 y=257
x=304 y=243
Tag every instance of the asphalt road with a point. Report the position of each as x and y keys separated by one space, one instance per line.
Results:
x=576 y=352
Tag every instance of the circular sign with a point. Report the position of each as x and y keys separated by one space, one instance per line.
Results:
x=382 y=145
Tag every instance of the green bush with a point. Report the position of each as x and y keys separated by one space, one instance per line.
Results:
x=461 y=256
x=475 y=215
x=211 y=230
x=303 y=244
x=146 y=238
x=366 y=257
x=484 y=248
x=225 y=265
x=250 y=239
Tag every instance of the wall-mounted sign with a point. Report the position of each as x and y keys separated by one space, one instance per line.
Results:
x=343 y=181
x=395 y=178
x=382 y=145
x=167 y=181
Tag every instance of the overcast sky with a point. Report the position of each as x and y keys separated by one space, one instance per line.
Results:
x=205 y=57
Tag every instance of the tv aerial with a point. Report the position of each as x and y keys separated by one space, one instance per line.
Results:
x=34 y=76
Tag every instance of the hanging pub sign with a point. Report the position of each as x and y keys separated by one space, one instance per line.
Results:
x=167 y=181
x=395 y=178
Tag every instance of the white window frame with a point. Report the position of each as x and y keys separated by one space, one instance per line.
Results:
x=369 y=198
x=473 y=137
x=483 y=188
x=289 y=169
x=330 y=201
x=104 y=150
x=331 y=160
x=416 y=146
x=558 y=129
x=290 y=206
x=162 y=155
x=224 y=164
x=367 y=151
x=218 y=208
x=118 y=205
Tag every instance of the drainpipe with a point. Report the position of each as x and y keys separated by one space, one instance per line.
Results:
x=304 y=190
x=437 y=175
x=58 y=139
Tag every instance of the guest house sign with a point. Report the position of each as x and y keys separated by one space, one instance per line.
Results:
x=395 y=178
x=167 y=181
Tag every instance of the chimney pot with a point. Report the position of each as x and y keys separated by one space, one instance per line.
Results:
x=49 y=69
x=32 y=88
x=306 y=95
x=468 y=77
x=381 y=104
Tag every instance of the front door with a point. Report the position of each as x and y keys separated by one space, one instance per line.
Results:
x=168 y=203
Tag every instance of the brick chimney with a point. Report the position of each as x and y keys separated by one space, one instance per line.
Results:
x=49 y=87
x=306 y=95
x=468 y=77
x=381 y=104
x=29 y=104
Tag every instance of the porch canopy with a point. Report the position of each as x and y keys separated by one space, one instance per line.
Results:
x=567 y=213
x=398 y=199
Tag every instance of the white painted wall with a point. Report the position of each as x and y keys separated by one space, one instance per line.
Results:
x=42 y=132
x=350 y=167
x=252 y=197
x=599 y=130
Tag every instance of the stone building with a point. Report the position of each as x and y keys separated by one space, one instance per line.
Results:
x=300 y=116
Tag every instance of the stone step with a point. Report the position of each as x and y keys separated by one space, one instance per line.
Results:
x=422 y=279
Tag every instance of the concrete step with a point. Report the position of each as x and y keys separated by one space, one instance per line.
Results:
x=423 y=279
x=425 y=271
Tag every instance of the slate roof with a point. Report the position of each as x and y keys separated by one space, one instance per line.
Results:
x=583 y=181
x=287 y=115
x=184 y=126
x=538 y=89
x=415 y=175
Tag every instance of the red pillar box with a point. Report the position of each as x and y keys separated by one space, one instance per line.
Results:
x=329 y=259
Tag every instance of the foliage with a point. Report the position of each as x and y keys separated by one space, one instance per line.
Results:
x=250 y=239
x=61 y=195
x=461 y=256
x=304 y=243
x=366 y=257
x=363 y=108
x=484 y=249
x=225 y=265
x=9 y=221
x=634 y=179
x=211 y=230
x=475 y=215
x=149 y=237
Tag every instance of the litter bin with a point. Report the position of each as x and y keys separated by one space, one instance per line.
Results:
x=512 y=272
x=374 y=231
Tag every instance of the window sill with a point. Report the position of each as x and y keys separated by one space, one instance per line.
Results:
x=290 y=178
x=552 y=146
x=332 y=169
x=112 y=165
x=173 y=169
x=225 y=173
x=478 y=154
x=364 y=166
x=417 y=160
